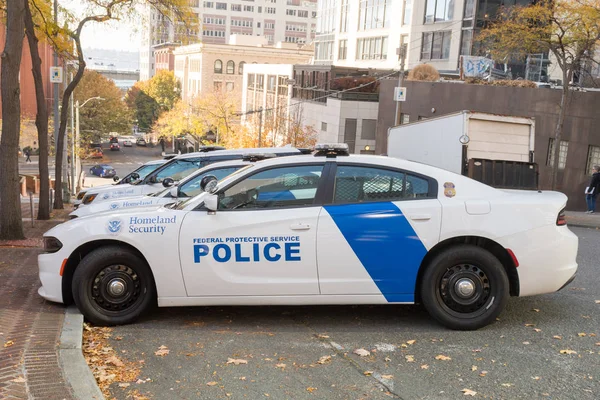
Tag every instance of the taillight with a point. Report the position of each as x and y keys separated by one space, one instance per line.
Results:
x=562 y=219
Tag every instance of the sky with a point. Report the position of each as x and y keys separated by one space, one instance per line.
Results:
x=114 y=35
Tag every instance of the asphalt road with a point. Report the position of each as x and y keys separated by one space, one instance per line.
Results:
x=517 y=357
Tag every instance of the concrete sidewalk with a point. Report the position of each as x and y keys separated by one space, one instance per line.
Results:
x=30 y=327
x=582 y=219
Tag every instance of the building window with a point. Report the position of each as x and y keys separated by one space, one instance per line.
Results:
x=373 y=14
x=469 y=9
x=324 y=126
x=251 y=79
x=436 y=45
x=218 y=67
x=269 y=25
x=217 y=86
x=593 y=158
x=374 y=48
x=229 y=86
x=562 y=153
x=324 y=50
x=369 y=126
x=259 y=10
x=241 y=67
x=302 y=14
x=221 y=6
x=249 y=8
x=439 y=11
x=404 y=119
x=407 y=12
x=271 y=10
x=271 y=83
x=210 y=33
x=342 y=49
x=466 y=42
x=344 y=16
x=209 y=4
x=230 y=67
x=236 y=7
x=214 y=21
x=290 y=12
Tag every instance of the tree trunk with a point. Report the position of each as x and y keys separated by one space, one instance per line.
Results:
x=41 y=119
x=64 y=113
x=11 y=224
x=564 y=103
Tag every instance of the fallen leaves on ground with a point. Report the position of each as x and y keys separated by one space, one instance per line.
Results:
x=324 y=360
x=282 y=366
x=442 y=357
x=388 y=377
x=483 y=373
x=536 y=378
x=530 y=325
x=213 y=383
x=567 y=351
x=8 y=343
x=581 y=334
x=474 y=368
x=411 y=341
x=368 y=373
x=507 y=384
x=424 y=366
x=162 y=351
x=321 y=336
x=20 y=379
x=597 y=301
x=362 y=352
x=557 y=337
x=536 y=310
x=468 y=392
x=236 y=361
x=410 y=358
x=104 y=362
x=310 y=389
x=537 y=329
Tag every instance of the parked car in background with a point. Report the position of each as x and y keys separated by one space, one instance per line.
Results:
x=127 y=143
x=141 y=142
x=115 y=147
x=103 y=171
x=114 y=139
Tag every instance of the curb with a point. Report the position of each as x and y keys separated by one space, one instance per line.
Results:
x=75 y=369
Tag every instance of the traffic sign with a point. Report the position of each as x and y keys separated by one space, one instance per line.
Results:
x=56 y=74
x=399 y=94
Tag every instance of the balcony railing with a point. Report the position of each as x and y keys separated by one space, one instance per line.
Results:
x=321 y=96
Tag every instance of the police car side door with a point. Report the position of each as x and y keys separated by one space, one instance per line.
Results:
x=378 y=228
x=262 y=238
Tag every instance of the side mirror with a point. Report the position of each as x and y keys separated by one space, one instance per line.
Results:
x=168 y=182
x=116 y=178
x=208 y=184
x=211 y=202
x=174 y=192
x=135 y=176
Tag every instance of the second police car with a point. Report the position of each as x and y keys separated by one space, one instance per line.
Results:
x=187 y=187
x=329 y=229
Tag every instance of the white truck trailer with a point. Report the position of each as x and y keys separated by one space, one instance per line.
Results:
x=494 y=149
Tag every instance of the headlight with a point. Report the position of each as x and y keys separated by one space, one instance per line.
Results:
x=80 y=195
x=89 y=198
x=52 y=244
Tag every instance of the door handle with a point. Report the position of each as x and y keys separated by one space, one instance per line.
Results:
x=420 y=217
x=300 y=227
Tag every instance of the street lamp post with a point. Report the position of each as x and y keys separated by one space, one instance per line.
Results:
x=76 y=138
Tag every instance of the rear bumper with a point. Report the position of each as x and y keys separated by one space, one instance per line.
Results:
x=547 y=258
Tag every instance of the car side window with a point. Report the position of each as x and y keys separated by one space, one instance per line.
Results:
x=354 y=184
x=178 y=169
x=192 y=187
x=283 y=187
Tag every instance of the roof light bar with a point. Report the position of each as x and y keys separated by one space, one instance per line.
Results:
x=253 y=157
x=206 y=149
x=331 y=150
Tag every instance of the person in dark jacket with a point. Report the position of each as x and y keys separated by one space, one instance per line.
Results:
x=592 y=190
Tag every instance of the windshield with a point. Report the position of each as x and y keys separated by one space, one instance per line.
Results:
x=180 y=205
x=178 y=169
x=192 y=187
x=141 y=171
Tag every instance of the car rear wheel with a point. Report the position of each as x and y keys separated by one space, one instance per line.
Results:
x=112 y=286
x=465 y=287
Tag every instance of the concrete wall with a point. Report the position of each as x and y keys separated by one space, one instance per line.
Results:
x=581 y=129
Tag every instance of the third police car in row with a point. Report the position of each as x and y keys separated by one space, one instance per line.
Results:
x=331 y=228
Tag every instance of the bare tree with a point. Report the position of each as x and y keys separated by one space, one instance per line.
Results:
x=11 y=224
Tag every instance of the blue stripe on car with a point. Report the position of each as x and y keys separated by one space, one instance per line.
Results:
x=385 y=243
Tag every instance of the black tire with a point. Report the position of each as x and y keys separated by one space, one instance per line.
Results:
x=120 y=266
x=477 y=271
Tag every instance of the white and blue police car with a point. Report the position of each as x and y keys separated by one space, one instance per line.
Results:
x=178 y=168
x=329 y=229
x=137 y=174
x=187 y=187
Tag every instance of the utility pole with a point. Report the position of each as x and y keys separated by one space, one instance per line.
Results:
x=402 y=59
x=260 y=111
x=56 y=117
x=73 y=156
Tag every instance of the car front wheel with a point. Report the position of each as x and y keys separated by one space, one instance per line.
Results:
x=465 y=287
x=112 y=286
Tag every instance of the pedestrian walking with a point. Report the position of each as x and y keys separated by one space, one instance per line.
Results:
x=592 y=190
x=27 y=155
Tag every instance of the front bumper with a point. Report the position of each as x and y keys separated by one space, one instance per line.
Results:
x=49 y=265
